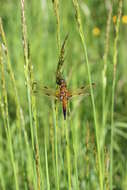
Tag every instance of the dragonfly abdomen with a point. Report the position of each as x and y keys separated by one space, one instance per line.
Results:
x=63 y=98
x=64 y=104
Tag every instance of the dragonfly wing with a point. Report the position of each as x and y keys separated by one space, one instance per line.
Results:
x=38 y=89
x=82 y=91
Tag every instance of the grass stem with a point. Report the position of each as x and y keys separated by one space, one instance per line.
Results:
x=68 y=153
x=81 y=33
x=113 y=91
x=56 y=145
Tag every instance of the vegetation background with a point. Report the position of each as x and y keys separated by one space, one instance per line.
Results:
x=38 y=149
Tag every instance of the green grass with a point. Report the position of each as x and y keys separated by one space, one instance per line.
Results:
x=38 y=149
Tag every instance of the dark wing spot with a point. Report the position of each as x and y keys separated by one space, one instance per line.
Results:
x=47 y=94
x=45 y=87
x=34 y=83
x=82 y=87
x=93 y=84
x=34 y=91
x=34 y=87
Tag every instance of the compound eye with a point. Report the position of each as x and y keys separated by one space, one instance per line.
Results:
x=58 y=82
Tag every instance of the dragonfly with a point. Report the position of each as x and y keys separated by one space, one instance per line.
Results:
x=61 y=94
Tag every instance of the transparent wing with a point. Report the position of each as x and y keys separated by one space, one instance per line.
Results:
x=38 y=89
x=82 y=91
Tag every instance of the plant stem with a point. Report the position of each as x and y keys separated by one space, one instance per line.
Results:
x=78 y=19
x=6 y=118
x=68 y=153
x=46 y=161
x=56 y=145
x=27 y=67
x=113 y=92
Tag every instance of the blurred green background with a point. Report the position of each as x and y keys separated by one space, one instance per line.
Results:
x=42 y=32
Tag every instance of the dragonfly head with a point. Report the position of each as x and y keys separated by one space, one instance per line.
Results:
x=60 y=80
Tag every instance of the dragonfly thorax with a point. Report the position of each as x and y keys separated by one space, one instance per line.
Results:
x=63 y=93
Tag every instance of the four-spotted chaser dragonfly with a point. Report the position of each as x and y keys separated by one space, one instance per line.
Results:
x=62 y=93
